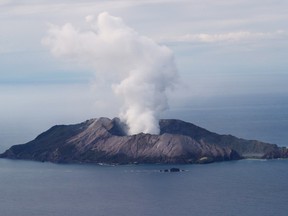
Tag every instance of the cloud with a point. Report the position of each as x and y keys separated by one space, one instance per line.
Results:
x=31 y=7
x=140 y=70
x=239 y=36
x=5 y=2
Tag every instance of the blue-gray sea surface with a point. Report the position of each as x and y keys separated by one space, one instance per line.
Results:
x=247 y=187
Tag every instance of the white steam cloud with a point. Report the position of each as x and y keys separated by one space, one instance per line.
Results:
x=141 y=70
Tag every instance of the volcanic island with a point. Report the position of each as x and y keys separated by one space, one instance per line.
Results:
x=104 y=141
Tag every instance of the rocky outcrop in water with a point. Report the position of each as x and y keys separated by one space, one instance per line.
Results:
x=103 y=140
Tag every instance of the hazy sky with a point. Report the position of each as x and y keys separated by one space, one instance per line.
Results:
x=220 y=47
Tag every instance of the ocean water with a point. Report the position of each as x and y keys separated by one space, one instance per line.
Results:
x=247 y=187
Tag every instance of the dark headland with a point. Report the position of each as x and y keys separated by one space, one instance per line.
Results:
x=102 y=140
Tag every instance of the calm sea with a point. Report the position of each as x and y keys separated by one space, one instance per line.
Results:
x=247 y=187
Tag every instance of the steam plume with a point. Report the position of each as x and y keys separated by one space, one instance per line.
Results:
x=141 y=71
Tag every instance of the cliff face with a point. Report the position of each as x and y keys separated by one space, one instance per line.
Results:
x=103 y=141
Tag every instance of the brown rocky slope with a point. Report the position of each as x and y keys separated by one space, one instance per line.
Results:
x=103 y=141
